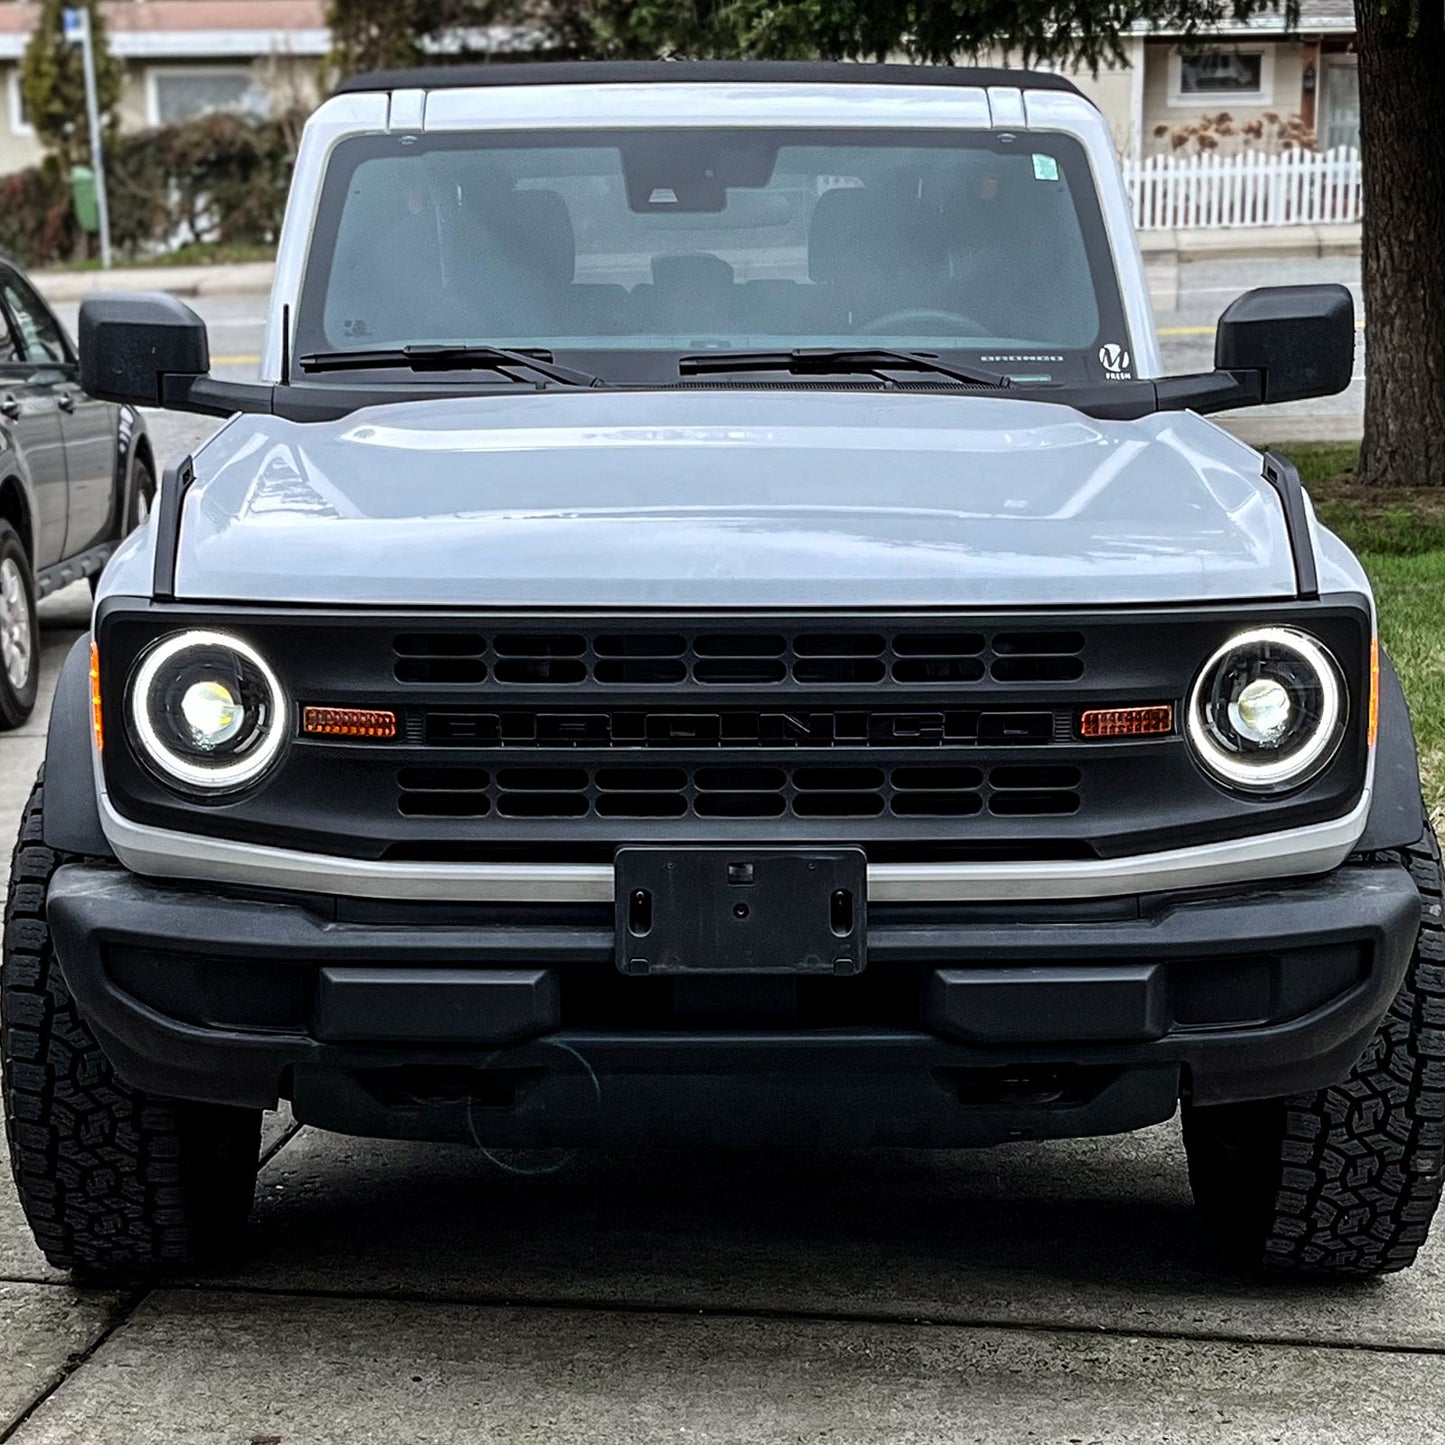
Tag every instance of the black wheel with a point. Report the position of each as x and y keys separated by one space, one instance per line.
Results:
x=1344 y=1182
x=19 y=632
x=112 y=1181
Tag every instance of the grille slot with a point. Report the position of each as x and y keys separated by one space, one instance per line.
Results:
x=708 y=791
x=712 y=658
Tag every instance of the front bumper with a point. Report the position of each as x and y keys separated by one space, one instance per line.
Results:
x=509 y=1025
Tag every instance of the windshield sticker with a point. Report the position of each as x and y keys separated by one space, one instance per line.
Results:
x=1116 y=361
x=1046 y=168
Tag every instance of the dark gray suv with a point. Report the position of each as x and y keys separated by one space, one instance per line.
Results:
x=76 y=477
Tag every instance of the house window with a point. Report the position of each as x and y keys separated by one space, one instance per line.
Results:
x=19 y=115
x=1200 y=76
x=178 y=95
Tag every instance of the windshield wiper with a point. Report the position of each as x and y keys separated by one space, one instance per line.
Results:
x=447 y=358
x=828 y=360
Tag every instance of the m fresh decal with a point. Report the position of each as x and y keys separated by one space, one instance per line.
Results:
x=1116 y=361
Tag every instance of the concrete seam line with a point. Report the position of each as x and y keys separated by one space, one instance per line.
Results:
x=125 y=1308
x=267 y=1155
x=563 y=1305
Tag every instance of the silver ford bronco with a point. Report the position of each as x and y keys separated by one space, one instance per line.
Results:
x=713 y=628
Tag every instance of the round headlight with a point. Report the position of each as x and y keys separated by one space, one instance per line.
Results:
x=207 y=711
x=1268 y=710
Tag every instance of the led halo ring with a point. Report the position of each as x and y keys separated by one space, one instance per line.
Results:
x=1296 y=767
x=162 y=756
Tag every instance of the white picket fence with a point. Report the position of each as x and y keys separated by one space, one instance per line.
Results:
x=1250 y=189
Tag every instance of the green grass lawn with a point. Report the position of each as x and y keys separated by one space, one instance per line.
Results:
x=1399 y=536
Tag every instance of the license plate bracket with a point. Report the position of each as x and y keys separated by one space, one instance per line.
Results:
x=741 y=910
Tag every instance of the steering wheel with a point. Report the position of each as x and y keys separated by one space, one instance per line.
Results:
x=957 y=323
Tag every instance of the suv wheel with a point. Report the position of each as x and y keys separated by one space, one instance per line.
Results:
x=112 y=1181
x=1344 y=1182
x=19 y=632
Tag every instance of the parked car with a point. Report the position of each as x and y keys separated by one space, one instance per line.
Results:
x=648 y=663
x=76 y=476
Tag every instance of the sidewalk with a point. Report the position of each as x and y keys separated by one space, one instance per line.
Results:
x=250 y=279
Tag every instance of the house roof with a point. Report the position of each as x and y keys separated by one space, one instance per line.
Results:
x=191 y=29
x=1316 y=17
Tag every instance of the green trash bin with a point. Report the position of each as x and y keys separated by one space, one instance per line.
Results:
x=87 y=206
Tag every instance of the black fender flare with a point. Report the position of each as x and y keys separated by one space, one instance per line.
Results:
x=72 y=809
x=1396 y=812
x=13 y=469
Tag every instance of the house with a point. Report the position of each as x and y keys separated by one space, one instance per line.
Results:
x=182 y=58
x=1250 y=70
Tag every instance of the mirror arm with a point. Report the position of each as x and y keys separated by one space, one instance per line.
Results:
x=206 y=396
x=1210 y=390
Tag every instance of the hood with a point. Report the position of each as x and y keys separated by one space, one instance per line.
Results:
x=725 y=499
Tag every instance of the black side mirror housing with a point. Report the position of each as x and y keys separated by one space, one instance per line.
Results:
x=1299 y=339
x=130 y=344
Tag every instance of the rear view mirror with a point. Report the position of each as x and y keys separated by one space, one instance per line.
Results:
x=130 y=344
x=1299 y=339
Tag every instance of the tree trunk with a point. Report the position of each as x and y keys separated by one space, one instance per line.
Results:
x=1402 y=105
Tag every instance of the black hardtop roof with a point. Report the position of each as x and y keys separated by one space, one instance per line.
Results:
x=693 y=72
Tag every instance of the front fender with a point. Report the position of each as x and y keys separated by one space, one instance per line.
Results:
x=72 y=811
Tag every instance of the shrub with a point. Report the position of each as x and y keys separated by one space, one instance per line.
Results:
x=219 y=179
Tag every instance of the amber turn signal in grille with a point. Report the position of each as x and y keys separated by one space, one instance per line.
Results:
x=1128 y=722
x=348 y=722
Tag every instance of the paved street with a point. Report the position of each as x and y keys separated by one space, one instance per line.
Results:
x=394 y=1292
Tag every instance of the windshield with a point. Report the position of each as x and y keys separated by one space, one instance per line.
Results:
x=624 y=251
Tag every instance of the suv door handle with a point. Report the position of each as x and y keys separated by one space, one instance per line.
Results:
x=10 y=409
x=66 y=401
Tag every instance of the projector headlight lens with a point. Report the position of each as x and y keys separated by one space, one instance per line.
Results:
x=1268 y=710
x=207 y=711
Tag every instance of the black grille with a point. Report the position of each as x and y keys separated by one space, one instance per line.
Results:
x=734 y=790
x=917 y=736
x=914 y=657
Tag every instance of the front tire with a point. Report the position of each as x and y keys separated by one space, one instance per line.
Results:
x=113 y=1181
x=19 y=632
x=1344 y=1182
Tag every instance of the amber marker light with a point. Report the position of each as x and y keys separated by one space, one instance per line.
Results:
x=95 y=719
x=1374 y=689
x=348 y=722
x=1128 y=722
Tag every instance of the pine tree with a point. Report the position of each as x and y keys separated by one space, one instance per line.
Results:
x=52 y=80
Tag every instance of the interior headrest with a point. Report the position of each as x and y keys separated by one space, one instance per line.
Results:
x=535 y=228
x=700 y=271
x=873 y=231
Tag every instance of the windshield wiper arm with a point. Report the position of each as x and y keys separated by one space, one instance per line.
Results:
x=446 y=357
x=830 y=360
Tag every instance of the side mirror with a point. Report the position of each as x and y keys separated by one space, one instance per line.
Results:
x=131 y=344
x=1299 y=339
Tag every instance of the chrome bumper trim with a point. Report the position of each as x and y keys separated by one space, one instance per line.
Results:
x=1293 y=853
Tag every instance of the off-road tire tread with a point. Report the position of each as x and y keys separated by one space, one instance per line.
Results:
x=112 y=1180
x=1344 y=1182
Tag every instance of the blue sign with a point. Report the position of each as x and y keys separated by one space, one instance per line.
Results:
x=74 y=25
